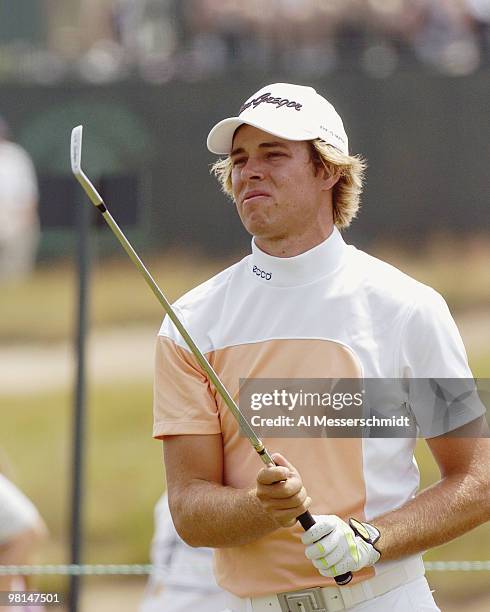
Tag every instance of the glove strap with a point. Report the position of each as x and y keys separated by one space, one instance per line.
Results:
x=366 y=532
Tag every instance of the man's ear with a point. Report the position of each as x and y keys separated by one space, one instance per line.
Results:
x=329 y=180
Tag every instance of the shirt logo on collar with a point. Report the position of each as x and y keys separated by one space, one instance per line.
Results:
x=261 y=273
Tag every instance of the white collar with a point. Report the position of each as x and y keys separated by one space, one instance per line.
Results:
x=307 y=267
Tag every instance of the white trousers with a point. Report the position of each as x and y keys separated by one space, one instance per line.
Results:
x=414 y=596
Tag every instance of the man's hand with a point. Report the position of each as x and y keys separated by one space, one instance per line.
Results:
x=281 y=492
x=335 y=548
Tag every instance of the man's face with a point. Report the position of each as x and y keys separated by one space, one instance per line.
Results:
x=278 y=194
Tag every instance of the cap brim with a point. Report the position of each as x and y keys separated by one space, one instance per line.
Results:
x=220 y=138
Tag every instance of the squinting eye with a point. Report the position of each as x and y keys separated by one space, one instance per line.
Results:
x=238 y=161
x=275 y=154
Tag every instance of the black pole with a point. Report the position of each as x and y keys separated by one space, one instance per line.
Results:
x=84 y=214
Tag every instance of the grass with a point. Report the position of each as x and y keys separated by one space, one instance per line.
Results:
x=480 y=365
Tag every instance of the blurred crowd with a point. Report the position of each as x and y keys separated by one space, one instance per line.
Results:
x=161 y=40
x=313 y=37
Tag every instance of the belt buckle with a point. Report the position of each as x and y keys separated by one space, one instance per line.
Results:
x=308 y=600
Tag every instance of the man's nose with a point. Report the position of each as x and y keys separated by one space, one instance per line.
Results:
x=252 y=170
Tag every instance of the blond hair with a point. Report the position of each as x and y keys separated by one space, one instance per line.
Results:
x=346 y=192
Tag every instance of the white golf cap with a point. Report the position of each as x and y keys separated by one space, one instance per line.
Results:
x=292 y=112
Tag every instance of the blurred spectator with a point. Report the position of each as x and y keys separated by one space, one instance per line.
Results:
x=392 y=25
x=19 y=221
x=148 y=31
x=479 y=13
x=183 y=578
x=21 y=530
x=446 y=39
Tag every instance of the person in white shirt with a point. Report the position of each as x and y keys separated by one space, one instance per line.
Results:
x=21 y=531
x=182 y=577
x=305 y=305
x=19 y=221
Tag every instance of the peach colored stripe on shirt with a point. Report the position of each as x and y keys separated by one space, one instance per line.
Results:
x=332 y=469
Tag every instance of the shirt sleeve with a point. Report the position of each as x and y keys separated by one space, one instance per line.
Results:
x=431 y=345
x=183 y=402
x=442 y=393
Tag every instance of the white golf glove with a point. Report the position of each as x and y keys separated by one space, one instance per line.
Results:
x=335 y=548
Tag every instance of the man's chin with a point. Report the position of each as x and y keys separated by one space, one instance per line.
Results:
x=259 y=231
x=263 y=237
x=256 y=227
x=261 y=228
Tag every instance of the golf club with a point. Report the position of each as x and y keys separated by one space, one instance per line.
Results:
x=306 y=518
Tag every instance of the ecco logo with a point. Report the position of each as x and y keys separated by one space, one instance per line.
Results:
x=261 y=273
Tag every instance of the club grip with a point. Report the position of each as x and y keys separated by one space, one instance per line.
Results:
x=307 y=521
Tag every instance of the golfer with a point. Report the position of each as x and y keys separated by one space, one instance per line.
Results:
x=304 y=305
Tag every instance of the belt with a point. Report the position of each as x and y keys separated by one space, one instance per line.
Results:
x=334 y=598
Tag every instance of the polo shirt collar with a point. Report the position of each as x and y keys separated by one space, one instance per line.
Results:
x=307 y=267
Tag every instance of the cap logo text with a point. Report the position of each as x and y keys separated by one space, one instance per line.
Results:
x=332 y=133
x=268 y=99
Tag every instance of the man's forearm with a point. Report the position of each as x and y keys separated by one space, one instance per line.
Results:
x=437 y=515
x=210 y=514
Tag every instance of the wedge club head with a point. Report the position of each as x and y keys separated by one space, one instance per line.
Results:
x=76 y=166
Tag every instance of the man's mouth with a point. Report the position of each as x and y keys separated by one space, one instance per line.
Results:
x=252 y=195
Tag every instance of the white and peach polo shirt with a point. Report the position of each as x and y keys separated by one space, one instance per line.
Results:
x=332 y=312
